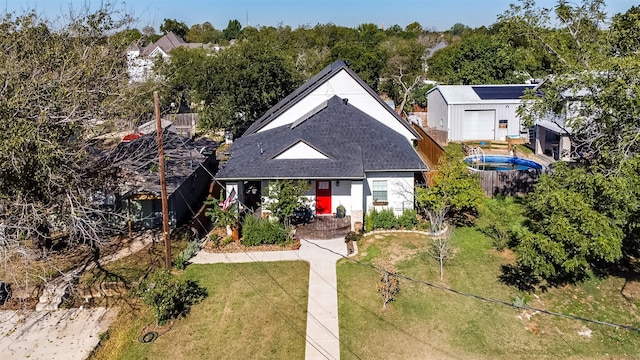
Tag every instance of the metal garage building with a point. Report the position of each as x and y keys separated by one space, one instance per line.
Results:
x=476 y=112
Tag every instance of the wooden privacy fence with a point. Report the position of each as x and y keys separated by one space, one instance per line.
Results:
x=428 y=148
x=509 y=182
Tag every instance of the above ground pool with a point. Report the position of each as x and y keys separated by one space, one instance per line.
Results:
x=500 y=163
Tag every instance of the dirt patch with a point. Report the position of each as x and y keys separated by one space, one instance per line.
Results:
x=508 y=255
x=398 y=253
x=631 y=289
x=20 y=304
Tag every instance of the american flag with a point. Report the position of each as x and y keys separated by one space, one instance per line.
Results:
x=229 y=200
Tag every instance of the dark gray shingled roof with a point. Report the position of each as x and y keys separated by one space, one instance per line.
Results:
x=312 y=84
x=353 y=141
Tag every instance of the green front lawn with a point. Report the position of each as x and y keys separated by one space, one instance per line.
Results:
x=253 y=311
x=426 y=322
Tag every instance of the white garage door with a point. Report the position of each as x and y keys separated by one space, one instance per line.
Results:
x=478 y=124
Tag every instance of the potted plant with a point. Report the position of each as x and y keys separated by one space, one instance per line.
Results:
x=296 y=243
x=225 y=216
x=341 y=211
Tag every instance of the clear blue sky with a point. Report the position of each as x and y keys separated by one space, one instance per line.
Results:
x=431 y=14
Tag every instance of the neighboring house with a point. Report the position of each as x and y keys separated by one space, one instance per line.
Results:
x=338 y=135
x=189 y=169
x=551 y=135
x=477 y=112
x=140 y=60
x=428 y=53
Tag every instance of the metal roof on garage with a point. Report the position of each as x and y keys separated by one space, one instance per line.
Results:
x=474 y=94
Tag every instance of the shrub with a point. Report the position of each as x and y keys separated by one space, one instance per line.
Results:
x=408 y=219
x=370 y=220
x=168 y=296
x=386 y=219
x=501 y=219
x=263 y=231
x=190 y=251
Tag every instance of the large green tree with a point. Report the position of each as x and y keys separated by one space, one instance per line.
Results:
x=578 y=218
x=232 y=88
x=455 y=193
x=177 y=27
x=366 y=60
x=403 y=71
x=204 y=33
x=477 y=59
x=233 y=30
x=585 y=215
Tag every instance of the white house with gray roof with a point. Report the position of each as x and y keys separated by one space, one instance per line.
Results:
x=338 y=135
x=140 y=61
x=477 y=112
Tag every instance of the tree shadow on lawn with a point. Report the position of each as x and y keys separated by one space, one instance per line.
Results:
x=523 y=278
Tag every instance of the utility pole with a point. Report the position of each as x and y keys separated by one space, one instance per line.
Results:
x=163 y=186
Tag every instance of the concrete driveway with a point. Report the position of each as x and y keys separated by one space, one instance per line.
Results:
x=52 y=335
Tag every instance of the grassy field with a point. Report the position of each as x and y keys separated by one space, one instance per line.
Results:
x=427 y=322
x=253 y=311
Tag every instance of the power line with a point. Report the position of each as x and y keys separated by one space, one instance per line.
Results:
x=298 y=304
x=305 y=336
x=486 y=299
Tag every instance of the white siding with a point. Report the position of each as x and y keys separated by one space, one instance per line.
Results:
x=400 y=189
x=506 y=111
x=357 y=196
x=438 y=111
x=341 y=195
x=479 y=125
x=346 y=87
x=301 y=151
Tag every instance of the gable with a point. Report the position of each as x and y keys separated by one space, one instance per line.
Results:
x=300 y=151
x=338 y=80
x=158 y=50
x=343 y=85
x=338 y=141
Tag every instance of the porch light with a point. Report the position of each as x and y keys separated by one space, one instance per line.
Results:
x=337 y=182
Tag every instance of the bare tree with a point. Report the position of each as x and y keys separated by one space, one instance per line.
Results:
x=388 y=287
x=62 y=86
x=441 y=249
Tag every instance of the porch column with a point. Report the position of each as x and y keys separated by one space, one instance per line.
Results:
x=229 y=187
x=565 y=148
x=541 y=135
x=357 y=202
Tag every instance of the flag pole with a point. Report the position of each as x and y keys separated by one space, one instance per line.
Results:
x=163 y=185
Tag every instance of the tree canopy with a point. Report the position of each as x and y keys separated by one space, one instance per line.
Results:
x=232 y=88
x=177 y=27
x=62 y=87
x=584 y=215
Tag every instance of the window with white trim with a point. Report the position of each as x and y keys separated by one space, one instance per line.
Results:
x=379 y=190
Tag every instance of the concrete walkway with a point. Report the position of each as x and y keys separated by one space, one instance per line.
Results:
x=322 y=339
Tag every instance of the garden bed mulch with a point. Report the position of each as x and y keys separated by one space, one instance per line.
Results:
x=234 y=247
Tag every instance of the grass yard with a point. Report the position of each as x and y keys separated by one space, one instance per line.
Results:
x=253 y=311
x=426 y=322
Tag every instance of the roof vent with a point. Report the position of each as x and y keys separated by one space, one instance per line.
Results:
x=345 y=101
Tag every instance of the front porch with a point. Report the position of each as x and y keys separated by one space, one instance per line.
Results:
x=324 y=227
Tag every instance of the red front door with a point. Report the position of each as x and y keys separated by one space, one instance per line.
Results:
x=323 y=197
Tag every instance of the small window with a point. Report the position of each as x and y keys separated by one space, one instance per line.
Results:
x=379 y=191
x=502 y=124
x=323 y=185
